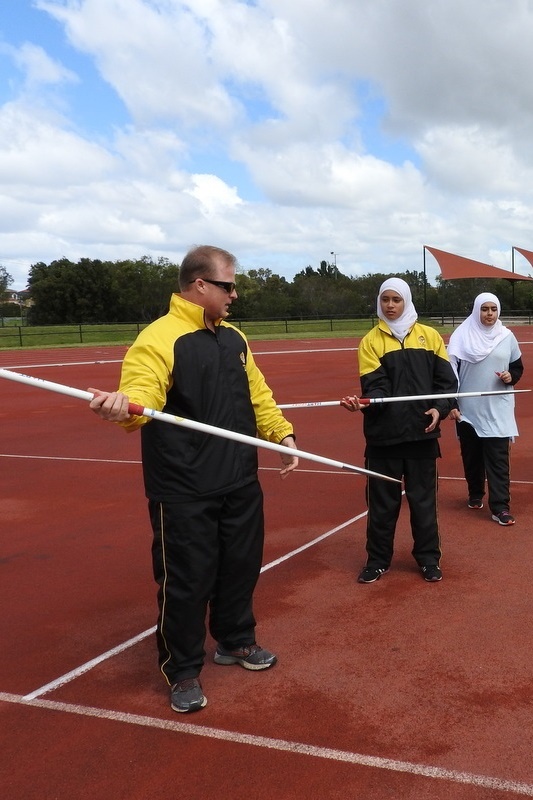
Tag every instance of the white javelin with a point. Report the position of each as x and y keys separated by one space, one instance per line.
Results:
x=162 y=416
x=365 y=401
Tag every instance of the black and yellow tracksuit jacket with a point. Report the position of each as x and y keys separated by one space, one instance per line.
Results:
x=390 y=368
x=179 y=366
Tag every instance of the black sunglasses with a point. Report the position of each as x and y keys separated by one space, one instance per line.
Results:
x=228 y=286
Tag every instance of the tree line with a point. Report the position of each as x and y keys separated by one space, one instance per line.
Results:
x=95 y=291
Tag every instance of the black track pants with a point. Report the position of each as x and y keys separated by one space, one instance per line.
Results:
x=206 y=554
x=384 y=502
x=485 y=458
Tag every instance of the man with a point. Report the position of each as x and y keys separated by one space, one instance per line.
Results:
x=205 y=500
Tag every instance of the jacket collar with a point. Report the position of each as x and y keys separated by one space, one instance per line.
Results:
x=184 y=309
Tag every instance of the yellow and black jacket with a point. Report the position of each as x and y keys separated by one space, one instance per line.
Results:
x=390 y=368
x=179 y=366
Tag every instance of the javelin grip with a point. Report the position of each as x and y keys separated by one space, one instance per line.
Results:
x=135 y=408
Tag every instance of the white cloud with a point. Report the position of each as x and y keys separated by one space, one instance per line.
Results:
x=38 y=67
x=458 y=158
x=155 y=55
x=214 y=195
x=38 y=156
x=253 y=126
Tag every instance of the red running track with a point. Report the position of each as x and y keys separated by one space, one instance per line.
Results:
x=400 y=689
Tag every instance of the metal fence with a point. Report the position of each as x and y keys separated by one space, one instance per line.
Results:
x=53 y=335
x=13 y=335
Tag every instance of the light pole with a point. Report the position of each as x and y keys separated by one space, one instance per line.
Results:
x=335 y=262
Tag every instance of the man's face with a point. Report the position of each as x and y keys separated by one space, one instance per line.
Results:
x=392 y=304
x=217 y=299
x=488 y=314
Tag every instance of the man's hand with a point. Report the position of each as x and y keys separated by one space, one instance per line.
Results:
x=289 y=462
x=112 y=406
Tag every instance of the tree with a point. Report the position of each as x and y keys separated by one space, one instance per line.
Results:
x=94 y=291
x=143 y=288
x=261 y=293
x=67 y=293
x=5 y=281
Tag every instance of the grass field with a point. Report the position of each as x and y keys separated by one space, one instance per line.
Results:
x=16 y=336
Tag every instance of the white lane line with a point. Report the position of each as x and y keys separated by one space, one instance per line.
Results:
x=306 y=350
x=75 y=673
x=295 y=748
x=138 y=461
x=256 y=353
x=83 y=668
x=120 y=360
x=337 y=473
x=68 y=458
x=64 y=364
x=312 y=542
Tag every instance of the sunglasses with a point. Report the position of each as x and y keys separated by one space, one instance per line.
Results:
x=228 y=286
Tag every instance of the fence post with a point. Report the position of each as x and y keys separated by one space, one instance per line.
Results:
x=81 y=335
x=20 y=334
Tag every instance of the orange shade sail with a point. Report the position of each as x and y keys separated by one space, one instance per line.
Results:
x=453 y=267
x=526 y=253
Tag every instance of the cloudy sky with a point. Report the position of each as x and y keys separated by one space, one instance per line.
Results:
x=283 y=130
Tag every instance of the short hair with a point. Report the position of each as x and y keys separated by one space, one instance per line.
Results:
x=199 y=262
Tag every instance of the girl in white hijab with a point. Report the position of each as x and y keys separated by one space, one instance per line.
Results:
x=401 y=326
x=486 y=357
x=399 y=357
x=473 y=340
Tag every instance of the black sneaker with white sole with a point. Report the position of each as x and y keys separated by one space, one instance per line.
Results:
x=371 y=574
x=476 y=503
x=431 y=573
x=504 y=518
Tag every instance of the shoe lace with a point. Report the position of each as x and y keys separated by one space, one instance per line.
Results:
x=250 y=649
x=185 y=685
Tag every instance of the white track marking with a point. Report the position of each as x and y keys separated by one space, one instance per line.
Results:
x=125 y=461
x=81 y=670
x=255 y=352
x=75 y=673
x=32 y=699
x=68 y=458
x=282 y=745
x=306 y=350
x=261 y=469
x=65 y=364
x=312 y=542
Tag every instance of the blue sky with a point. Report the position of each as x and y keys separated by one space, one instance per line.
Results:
x=282 y=130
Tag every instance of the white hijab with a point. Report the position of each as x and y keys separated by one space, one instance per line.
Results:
x=399 y=327
x=472 y=341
